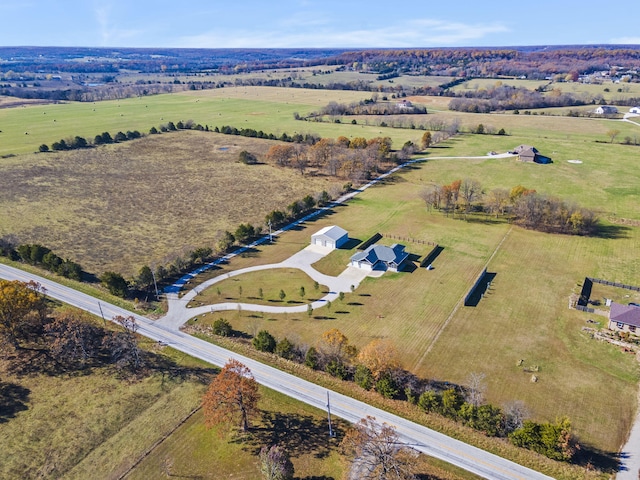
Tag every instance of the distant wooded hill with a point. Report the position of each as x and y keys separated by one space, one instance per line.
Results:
x=533 y=62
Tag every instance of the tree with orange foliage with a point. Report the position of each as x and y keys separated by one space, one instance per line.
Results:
x=23 y=311
x=231 y=396
x=280 y=154
x=335 y=346
x=379 y=356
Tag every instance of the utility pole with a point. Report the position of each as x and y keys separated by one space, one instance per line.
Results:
x=331 y=432
x=155 y=284
x=102 y=314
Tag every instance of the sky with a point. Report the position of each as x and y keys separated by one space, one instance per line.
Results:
x=316 y=23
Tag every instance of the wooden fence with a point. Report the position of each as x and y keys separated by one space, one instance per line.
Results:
x=409 y=239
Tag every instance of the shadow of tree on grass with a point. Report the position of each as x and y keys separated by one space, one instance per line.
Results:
x=297 y=434
x=13 y=399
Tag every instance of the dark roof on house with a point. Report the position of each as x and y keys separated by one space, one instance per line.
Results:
x=332 y=232
x=393 y=255
x=520 y=149
x=627 y=314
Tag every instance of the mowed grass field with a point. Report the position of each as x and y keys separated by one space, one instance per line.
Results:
x=119 y=207
x=523 y=317
x=269 y=109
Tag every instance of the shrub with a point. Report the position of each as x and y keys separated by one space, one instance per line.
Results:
x=264 y=342
x=222 y=327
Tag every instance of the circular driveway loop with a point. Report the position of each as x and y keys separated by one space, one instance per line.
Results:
x=350 y=278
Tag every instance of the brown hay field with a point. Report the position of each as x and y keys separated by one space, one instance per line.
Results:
x=122 y=206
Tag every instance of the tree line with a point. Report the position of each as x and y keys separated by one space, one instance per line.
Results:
x=78 y=142
x=369 y=107
x=506 y=97
x=522 y=206
x=377 y=367
x=41 y=256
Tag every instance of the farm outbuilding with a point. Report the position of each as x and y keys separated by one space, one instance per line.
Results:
x=380 y=257
x=624 y=318
x=330 y=237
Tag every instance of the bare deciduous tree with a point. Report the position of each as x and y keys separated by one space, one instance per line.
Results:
x=476 y=388
x=376 y=452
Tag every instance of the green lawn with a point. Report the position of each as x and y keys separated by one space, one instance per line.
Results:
x=524 y=316
x=263 y=288
x=269 y=109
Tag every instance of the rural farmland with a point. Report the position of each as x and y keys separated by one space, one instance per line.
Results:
x=230 y=153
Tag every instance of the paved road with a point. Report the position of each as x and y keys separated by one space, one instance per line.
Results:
x=630 y=454
x=421 y=438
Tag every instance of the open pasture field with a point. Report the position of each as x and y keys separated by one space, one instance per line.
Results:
x=487 y=83
x=90 y=425
x=523 y=317
x=269 y=109
x=119 y=207
x=616 y=91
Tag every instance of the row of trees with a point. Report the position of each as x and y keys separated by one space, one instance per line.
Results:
x=307 y=138
x=369 y=107
x=377 y=367
x=524 y=206
x=78 y=142
x=506 y=97
x=36 y=254
x=68 y=338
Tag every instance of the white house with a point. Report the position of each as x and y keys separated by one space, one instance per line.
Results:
x=330 y=237
x=605 y=110
x=635 y=110
x=380 y=257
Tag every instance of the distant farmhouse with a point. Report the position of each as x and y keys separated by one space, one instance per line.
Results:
x=405 y=105
x=380 y=257
x=605 y=110
x=527 y=153
x=331 y=237
x=624 y=318
x=635 y=110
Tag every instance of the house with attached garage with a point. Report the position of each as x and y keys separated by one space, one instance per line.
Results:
x=605 y=110
x=624 y=318
x=330 y=237
x=380 y=257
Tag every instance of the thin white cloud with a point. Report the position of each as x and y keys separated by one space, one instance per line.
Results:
x=102 y=17
x=111 y=34
x=626 y=40
x=411 y=33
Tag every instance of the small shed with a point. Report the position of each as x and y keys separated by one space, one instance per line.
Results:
x=330 y=237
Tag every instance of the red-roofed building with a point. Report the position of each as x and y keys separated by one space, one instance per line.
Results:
x=624 y=318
